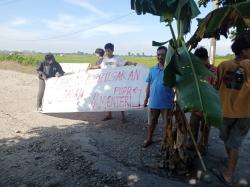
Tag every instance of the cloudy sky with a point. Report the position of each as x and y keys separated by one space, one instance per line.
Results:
x=83 y=25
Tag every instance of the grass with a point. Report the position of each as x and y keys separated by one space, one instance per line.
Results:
x=28 y=62
x=220 y=59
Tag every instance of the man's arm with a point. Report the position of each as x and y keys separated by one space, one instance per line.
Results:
x=218 y=78
x=130 y=63
x=147 y=94
x=59 y=71
x=95 y=67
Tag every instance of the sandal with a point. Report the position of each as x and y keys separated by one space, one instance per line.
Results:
x=220 y=176
x=107 y=118
x=146 y=143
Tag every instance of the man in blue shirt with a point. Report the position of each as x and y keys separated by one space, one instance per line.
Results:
x=159 y=96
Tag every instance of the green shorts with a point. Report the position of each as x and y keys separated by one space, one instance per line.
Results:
x=233 y=131
x=154 y=114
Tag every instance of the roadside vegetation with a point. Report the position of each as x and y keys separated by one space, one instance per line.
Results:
x=34 y=59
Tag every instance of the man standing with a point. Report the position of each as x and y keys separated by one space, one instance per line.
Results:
x=47 y=69
x=112 y=61
x=159 y=96
x=197 y=121
x=234 y=89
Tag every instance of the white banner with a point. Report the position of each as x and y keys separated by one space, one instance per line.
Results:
x=114 y=89
x=74 y=67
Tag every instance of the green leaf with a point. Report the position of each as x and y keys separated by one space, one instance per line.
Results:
x=188 y=98
x=169 y=78
x=183 y=10
x=154 y=43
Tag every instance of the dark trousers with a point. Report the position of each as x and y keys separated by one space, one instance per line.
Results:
x=40 y=92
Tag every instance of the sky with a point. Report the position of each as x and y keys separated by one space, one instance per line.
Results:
x=84 y=25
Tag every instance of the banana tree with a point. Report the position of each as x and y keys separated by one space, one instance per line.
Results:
x=183 y=70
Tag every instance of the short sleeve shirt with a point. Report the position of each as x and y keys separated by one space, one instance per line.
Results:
x=161 y=96
x=115 y=61
x=235 y=103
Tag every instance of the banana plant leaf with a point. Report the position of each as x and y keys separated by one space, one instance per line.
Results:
x=171 y=69
x=186 y=73
x=155 y=43
x=193 y=92
x=219 y=21
x=183 y=10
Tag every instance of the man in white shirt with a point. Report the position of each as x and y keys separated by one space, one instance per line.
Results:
x=112 y=61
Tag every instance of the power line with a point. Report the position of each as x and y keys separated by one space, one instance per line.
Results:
x=80 y=31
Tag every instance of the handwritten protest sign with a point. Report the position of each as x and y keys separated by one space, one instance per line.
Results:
x=114 y=89
x=74 y=67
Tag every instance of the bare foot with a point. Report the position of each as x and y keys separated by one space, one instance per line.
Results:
x=107 y=118
x=124 y=120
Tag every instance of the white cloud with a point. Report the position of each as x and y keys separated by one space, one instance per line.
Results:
x=116 y=29
x=19 y=21
x=110 y=30
x=86 y=5
x=8 y=33
x=65 y=23
x=86 y=26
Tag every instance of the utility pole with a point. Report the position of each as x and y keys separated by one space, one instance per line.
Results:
x=212 y=51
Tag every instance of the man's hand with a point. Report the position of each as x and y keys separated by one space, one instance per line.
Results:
x=89 y=67
x=57 y=74
x=44 y=77
x=93 y=67
x=145 y=104
x=130 y=63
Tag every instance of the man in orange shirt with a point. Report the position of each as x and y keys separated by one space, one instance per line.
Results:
x=234 y=88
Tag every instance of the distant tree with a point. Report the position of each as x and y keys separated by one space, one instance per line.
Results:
x=80 y=53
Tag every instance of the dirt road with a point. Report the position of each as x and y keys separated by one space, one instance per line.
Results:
x=79 y=149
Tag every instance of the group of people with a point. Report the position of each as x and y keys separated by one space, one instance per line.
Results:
x=50 y=68
x=231 y=79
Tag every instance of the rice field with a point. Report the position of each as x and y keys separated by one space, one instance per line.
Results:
x=34 y=59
